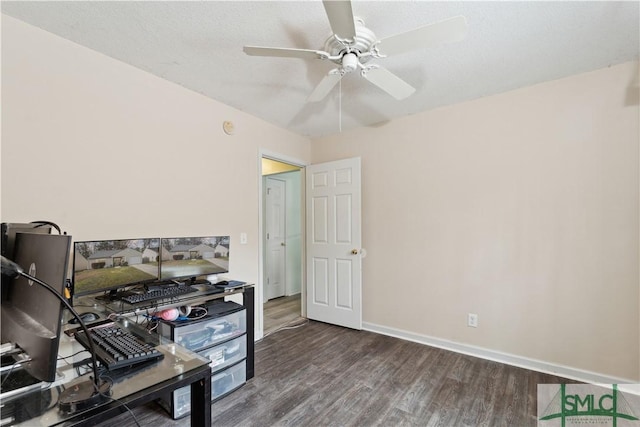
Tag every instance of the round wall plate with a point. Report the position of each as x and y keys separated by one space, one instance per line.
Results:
x=227 y=127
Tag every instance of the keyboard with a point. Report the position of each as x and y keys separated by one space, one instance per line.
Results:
x=117 y=348
x=159 y=293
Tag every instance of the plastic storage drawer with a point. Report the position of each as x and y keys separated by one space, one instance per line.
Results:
x=228 y=380
x=225 y=321
x=178 y=403
x=226 y=354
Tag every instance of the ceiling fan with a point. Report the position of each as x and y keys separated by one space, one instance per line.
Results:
x=352 y=46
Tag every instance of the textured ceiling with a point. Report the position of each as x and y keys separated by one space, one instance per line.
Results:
x=199 y=46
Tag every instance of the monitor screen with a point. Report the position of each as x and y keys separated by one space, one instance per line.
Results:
x=107 y=265
x=31 y=315
x=184 y=257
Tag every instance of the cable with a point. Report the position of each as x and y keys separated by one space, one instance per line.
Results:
x=43 y=223
x=135 y=420
x=11 y=370
x=153 y=328
x=289 y=326
x=86 y=366
x=74 y=354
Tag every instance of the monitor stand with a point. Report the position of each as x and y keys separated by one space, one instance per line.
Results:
x=112 y=295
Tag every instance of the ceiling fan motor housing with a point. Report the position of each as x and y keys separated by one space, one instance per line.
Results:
x=362 y=42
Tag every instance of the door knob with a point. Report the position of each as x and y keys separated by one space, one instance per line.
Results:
x=354 y=252
x=282 y=244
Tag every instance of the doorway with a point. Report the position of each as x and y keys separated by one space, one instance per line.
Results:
x=282 y=243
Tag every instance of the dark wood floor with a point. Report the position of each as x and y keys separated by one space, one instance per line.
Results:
x=325 y=375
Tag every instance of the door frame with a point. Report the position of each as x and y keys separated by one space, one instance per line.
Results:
x=262 y=153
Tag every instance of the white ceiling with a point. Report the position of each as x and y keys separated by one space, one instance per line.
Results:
x=199 y=46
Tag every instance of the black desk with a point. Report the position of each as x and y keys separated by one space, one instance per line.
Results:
x=179 y=367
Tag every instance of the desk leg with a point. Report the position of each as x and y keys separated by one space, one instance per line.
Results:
x=248 y=300
x=201 y=403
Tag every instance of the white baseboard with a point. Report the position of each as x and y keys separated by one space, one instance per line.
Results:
x=506 y=358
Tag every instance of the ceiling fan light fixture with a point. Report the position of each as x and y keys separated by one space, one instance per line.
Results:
x=350 y=62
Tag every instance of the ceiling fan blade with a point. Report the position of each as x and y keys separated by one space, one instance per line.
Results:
x=325 y=86
x=389 y=82
x=341 y=19
x=285 y=52
x=449 y=30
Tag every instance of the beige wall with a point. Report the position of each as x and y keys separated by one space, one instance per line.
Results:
x=109 y=151
x=520 y=207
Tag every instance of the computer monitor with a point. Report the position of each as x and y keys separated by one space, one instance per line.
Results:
x=31 y=315
x=191 y=257
x=109 y=265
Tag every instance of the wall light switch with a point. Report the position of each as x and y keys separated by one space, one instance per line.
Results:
x=243 y=238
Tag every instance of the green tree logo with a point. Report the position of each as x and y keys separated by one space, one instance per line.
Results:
x=589 y=404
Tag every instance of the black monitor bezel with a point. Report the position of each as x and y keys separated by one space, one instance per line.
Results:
x=115 y=287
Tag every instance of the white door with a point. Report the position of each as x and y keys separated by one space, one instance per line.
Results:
x=334 y=276
x=275 y=210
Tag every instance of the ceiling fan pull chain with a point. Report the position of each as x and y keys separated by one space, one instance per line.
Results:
x=340 y=106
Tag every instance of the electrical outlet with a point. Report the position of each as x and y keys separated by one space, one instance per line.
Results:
x=472 y=320
x=243 y=238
